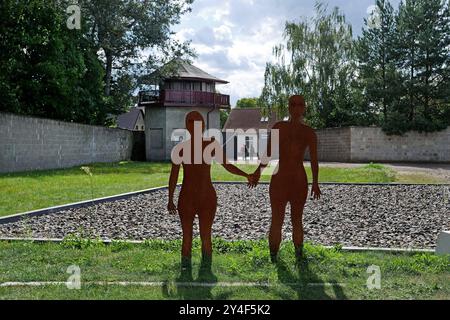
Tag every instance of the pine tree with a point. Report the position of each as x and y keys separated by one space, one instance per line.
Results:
x=376 y=62
x=423 y=56
x=433 y=63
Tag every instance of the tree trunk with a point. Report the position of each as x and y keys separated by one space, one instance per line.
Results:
x=108 y=75
x=384 y=86
x=411 y=85
x=427 y=84
x=384 y=81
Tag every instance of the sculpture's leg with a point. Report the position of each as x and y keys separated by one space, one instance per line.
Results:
x=205 y=272
x=206 y=219
x=187 y=221
x=278 y=211
x=297 y=227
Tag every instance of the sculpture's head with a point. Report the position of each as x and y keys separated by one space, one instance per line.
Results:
x=297 y=107
x=191 y=118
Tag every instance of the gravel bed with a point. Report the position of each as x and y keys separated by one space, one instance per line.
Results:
x=407 y=216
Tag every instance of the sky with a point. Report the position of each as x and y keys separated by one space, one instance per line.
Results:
x=234 y=38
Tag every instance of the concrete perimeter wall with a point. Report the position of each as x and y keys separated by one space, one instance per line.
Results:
x=366 y=144
x=372 y=143
x=334 y=144
x=28 y=143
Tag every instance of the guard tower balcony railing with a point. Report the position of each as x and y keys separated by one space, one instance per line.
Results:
x=171 y=97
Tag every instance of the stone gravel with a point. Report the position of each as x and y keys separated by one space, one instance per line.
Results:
x=400 y=216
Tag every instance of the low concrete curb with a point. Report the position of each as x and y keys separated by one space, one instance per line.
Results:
x=55 y=209
x=109 y=241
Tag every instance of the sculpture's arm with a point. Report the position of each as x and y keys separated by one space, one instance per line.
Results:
x=174 y=172
x=315 y=191
x=264 y=162
x=228 y=166
x=234 y=170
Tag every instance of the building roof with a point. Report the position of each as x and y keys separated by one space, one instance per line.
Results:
x=187 y=71
x=249 y=118
x=128 y=120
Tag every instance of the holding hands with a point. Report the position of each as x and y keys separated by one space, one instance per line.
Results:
x=171 y=207
x=253 y=179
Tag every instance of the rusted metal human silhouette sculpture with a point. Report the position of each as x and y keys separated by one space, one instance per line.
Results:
x=290 y=183
x=197 y=195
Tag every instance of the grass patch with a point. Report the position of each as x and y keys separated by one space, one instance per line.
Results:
x=366 y=173
x=418 y=178
x=40 y=189
x=324 y=274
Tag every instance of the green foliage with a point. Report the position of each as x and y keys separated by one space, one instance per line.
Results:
x=84 y=75
x=377 y=71
x=119 y=245
x=258 y=257
x=247 y=103
x=154 y=267
x=155 y=244
x=405 y=66
x=375 y=166
x=80 y=241
x=224 y=114
x=121 y=30
x=317 y=61
x=418 y=264
x=45 y=69
x=395 y=75
x=240 y=247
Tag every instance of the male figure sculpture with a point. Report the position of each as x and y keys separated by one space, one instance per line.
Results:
x=290 y=183
x=197 y=195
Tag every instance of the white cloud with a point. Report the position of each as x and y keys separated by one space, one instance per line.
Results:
x=185 y=34
x=215 y=10
x=234 y=38
x=233 y=41
x=223 y=33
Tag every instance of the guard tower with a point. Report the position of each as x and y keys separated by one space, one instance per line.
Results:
x=166 y=107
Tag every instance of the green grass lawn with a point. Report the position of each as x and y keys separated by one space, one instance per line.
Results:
x=40 y=189
x=324 y=273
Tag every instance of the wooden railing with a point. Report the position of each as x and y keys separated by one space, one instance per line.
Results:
x=186 y=97
x=194 y=97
